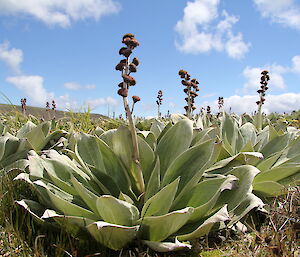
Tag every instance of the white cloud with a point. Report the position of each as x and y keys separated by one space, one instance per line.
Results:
x=94 y=103
x=12 y=57
x=76 y=86
x=60 y=12
x=201 y=30
x=285 y=12
x=277 y=72
x=296 y=64
x=253 y=74
x=64 y=102
x=33 y=87
x=247 y=103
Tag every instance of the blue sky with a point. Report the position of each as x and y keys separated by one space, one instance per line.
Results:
x=67 y=51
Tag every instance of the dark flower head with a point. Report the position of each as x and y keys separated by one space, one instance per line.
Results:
x=120 y=66
x=186 y=108
x=194 y=85
x=128 y=79
x=183 y=82
x=259 y=91
x=135 y=61
x=128 y=35
x=264 y=72
x=185 y=90
x=121 y=84
x=195 y=81
x=132 y=67
x=186 y=99
x=125 y=51
x=136 y=98
x=131 y=42
x=188 y=84
x=123 y=92
x=157 y=102
x=193 y=107
x=182 y=72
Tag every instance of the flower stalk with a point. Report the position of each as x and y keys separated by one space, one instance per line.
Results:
x=262 y=93
x=190 y=91
x=159 y=102
x=126 y=67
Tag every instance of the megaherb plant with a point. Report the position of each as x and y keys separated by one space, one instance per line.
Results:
x=162 y=187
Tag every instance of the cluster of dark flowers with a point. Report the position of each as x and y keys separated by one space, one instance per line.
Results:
x=47 y=106
x=23 y=105
x=208 y=110
x=126 y=67
x=191 y=87
x=220 y=102
x=159 y=101
x=159 y=97
x=263 y=88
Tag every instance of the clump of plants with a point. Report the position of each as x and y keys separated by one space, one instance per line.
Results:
x=160 y=187
x=191 y=87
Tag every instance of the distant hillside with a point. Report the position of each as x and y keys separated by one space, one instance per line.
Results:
x=41 y=112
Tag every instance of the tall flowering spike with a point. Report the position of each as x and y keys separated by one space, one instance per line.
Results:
x=263 y=88
x=23 y=105
x=189 y=84
x=262 y=93
x=159 y=102
x=125 y=67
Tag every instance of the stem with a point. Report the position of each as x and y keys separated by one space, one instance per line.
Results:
x=132 y=108
x=189 y=103
x=158 y=111
x=135 y=153
x=259 y=113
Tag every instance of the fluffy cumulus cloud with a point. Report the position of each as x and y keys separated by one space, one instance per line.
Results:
x=94 y=103
x=59 y=12
x=204 y=28
x=76 y=86
x=12 y=57
x=277 y=72
x=33 y=87
x=285 y=12
x=247 y=103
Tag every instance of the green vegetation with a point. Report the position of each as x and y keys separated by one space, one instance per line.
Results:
x=202 y=185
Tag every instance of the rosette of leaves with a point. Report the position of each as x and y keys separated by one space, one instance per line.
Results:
x=191 y=87
x=91 y=190
x=14 y=148
x=274 y=151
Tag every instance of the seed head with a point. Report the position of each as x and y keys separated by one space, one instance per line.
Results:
x=129 y=79
x=125 y=51
x=123 y=92
x=132 y=67
x=135 y=61
x=136 y=98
